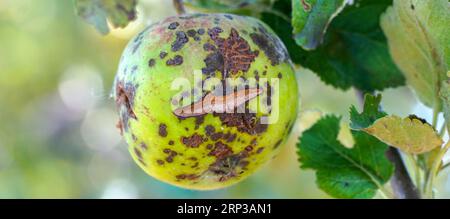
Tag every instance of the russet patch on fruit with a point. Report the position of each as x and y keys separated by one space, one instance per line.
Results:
x=196 y=138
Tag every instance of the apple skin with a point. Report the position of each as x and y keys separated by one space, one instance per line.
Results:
x=217 y=149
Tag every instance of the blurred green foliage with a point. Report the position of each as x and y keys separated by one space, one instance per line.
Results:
x=57 y=132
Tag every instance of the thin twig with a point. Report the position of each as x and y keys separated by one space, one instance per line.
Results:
x=444 y=166
x=179 y=7
x=435 y=169
x=401 y=183
x=434 y=123
x=417 y=172
x=442 y=130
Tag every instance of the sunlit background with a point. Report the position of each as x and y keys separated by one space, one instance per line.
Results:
x=57 y=123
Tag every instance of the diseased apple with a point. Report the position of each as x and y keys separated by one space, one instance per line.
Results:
x=211 y=147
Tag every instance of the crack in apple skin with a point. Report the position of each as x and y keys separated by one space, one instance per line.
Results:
x=211 y=103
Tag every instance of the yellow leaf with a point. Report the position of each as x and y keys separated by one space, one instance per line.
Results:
x=411 y=134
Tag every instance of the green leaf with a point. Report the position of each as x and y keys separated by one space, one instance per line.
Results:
x=369 y=115
x=418 y=34
x=96 y=13
x=278 y=18
x=354 y=50
x=343 y=172
x=310 y=19
x=411 y=135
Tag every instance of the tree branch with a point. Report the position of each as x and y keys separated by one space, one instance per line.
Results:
x=401 y=182
x=179 y=6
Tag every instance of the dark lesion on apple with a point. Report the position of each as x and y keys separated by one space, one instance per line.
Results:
x=124 y=101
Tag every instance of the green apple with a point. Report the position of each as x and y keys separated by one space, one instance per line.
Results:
x=209 y=148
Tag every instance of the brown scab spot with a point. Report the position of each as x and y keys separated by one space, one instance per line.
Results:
x=177 y=60
x=231 y=137
x=201 y=31
x=136 y=47
x=256 y=73
x=151 y=62
x=181 y=39
x=162 y=55
x=175 y=102
x=209 y=47
x=162 y=131
x=244 y=122
x=226 y=167
x=277 y=144
x=216 y=136
x=133 y=69
x=260 y=150
x=139 y=156
x=193 y=141
x=220 y=150
x=209 y=130
x=199 y=121
x=229 y=16
x=143 y=146
x=124 y=102
x=195 y=165
x=171 y=155
x=214 y=62
x=191 y=33
x=290 y=128
x=171 y=142
x=209 y=146
x=173 y=25
x=280 y=75
x=244 y=163
x=142 y=162
x=160 y=162
x=233 y=54
x=138 y=153
x=187 y=176
x=226 y=135
x=270 y=45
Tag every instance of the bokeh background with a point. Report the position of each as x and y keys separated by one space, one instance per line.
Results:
x=57 y=123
